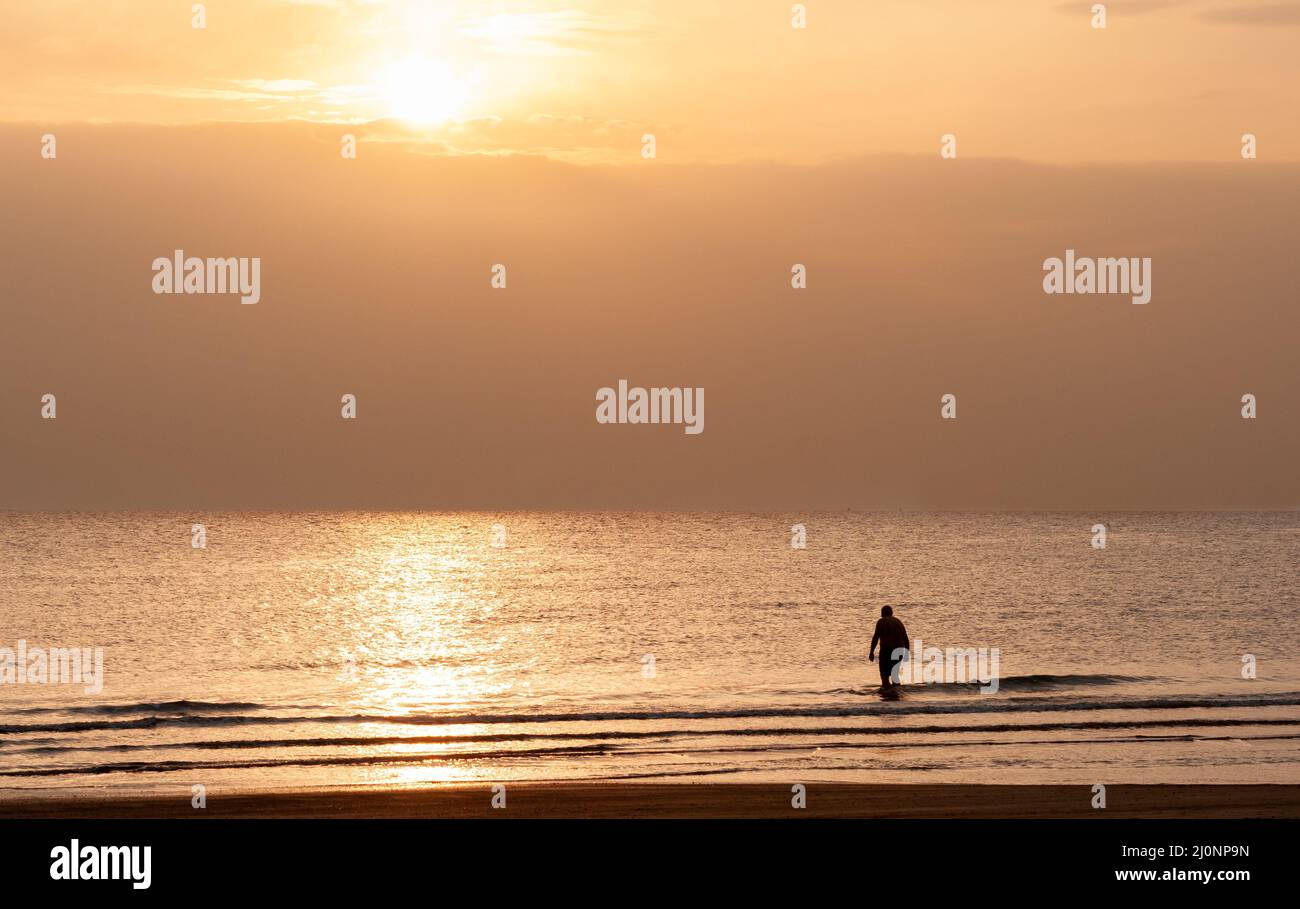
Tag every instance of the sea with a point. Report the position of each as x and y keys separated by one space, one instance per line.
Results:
x=268 y=651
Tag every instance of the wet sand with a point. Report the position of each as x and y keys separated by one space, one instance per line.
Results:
x=690 y=800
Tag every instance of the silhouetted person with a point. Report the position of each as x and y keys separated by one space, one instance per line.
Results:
x=892 y=636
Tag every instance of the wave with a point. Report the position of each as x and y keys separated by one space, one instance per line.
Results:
x=659 y=734
x=1041 y=682
x=1038 y=682
x=182 y=706
x=173 y=766
x=588 y=750
x=908 y=706
x=193 y=708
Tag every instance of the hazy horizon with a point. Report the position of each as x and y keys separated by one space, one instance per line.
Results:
x=924 y=279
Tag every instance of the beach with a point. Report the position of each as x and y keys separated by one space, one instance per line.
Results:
x=686 y=800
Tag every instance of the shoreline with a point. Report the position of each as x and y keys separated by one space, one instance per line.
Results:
x=615 y=800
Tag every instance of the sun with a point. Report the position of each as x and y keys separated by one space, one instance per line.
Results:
x=422 y=91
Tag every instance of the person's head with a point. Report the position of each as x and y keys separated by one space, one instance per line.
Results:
x=886 y=610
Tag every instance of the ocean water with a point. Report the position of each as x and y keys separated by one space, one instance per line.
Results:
x=337 y=649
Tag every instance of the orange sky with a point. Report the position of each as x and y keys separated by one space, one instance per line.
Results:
x=714 y=80
x=924 y=278
x=775 y=146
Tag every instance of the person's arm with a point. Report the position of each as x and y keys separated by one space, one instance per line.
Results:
x=907 y=642
x=871 y=654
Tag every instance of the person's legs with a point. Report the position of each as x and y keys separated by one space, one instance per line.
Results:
x=888 y=663
x=886 y=667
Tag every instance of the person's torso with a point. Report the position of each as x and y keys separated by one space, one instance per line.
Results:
x=892 y=632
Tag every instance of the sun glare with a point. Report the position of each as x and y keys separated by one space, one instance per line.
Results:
x=422 y=91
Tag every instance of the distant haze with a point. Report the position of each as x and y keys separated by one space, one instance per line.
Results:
x=924 y=278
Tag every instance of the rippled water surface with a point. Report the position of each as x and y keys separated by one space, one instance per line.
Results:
x=322 y=649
